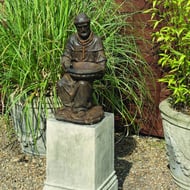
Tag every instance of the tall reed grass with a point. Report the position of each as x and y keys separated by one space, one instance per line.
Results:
x=33 y=34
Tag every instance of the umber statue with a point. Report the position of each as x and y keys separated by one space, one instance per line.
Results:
x=83 y=61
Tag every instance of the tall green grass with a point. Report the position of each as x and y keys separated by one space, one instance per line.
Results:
x=33 y=34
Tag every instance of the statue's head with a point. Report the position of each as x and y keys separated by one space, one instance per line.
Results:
x=82 y=23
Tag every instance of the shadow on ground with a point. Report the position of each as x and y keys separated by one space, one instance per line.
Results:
x=122 y=166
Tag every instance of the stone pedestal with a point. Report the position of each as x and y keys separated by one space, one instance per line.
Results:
x=80 y=157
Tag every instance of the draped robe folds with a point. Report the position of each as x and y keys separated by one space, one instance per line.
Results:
x=78 y=94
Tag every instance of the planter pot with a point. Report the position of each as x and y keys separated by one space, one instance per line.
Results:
x=2 y=107
x=177 y=136
x=30 y=126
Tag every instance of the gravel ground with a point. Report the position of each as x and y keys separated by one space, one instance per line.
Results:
x=140 y=164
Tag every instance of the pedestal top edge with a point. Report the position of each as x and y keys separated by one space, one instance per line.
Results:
x=106 y=115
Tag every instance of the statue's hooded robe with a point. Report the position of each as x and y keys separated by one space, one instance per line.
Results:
x=73 y=93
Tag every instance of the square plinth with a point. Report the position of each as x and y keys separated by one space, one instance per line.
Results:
x=80 y=157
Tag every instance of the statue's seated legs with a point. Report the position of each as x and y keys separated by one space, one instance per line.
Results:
x=75 y=94
x=76 y=97
x=82 y=100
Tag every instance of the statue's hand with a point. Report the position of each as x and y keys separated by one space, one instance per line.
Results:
x=66 y=63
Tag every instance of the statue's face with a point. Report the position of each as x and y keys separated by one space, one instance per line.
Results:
x=83 y=30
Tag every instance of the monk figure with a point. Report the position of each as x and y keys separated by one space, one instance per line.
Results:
x=83 y=50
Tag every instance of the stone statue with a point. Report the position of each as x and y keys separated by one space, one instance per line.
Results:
x=83 y=61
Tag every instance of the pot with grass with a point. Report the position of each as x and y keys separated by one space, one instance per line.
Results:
x=30 y=123
x=29 y=56
x=171 y=18
x=33 y=35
